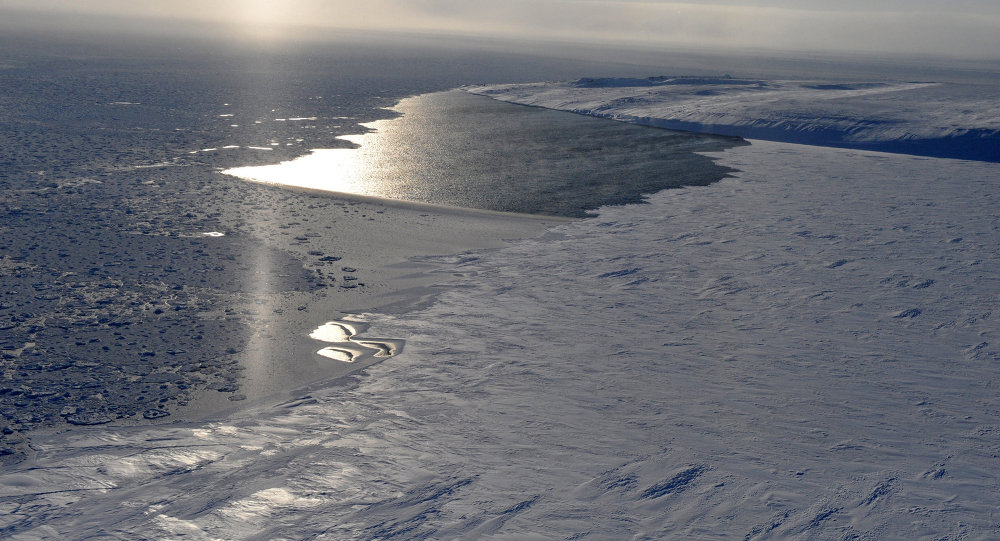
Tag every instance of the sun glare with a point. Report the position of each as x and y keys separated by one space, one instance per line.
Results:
x=260 y=20
x=343 y=170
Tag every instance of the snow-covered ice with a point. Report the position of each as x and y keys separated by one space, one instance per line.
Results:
x=808 y=350
x=957 y=120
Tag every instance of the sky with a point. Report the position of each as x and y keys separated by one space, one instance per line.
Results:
x=962 y=28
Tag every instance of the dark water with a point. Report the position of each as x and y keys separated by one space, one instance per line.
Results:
x=455 y=148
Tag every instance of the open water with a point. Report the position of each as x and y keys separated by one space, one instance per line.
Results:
x=458 y=149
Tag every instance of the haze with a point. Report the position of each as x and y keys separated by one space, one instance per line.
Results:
x=969 y=28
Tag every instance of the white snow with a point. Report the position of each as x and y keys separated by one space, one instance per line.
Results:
x=808 y=350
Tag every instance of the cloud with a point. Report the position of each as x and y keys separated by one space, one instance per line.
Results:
x=965 y=28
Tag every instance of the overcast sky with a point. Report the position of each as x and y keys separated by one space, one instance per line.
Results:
x=966 y=28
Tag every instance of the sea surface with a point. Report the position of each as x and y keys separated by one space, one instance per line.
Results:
x=458 y=149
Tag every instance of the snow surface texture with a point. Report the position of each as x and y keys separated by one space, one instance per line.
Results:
x=809 y=350
x=934 y=119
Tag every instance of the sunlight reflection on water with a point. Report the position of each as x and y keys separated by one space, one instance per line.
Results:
x=336 y=170
x=454 y=148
